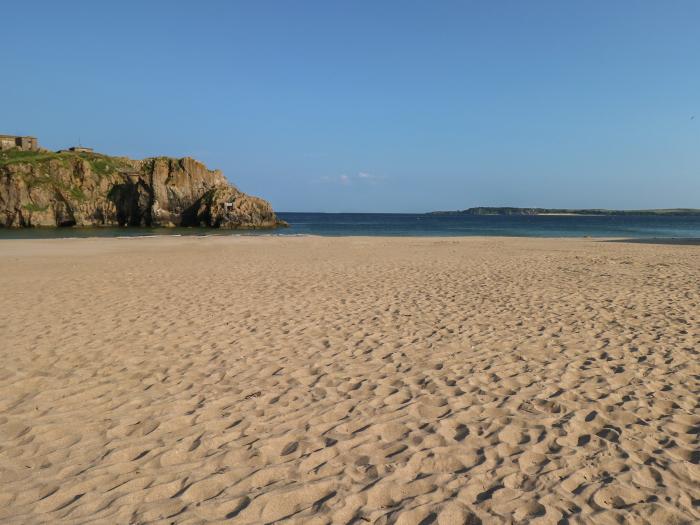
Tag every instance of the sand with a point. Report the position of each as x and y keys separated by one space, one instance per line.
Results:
x=349 y=380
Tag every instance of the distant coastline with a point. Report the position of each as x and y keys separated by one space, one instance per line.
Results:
x=507 y=210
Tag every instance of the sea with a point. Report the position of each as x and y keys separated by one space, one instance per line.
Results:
x=422 y=225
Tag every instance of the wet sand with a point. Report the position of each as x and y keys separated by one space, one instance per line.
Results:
x=349 y=380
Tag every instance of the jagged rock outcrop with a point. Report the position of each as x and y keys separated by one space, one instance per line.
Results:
x=88 y=189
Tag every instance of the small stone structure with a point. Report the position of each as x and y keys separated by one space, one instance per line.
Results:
x=21 y=143
x=80 y=149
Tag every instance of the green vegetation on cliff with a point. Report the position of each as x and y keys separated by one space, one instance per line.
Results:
x=100 y=164
x=69 y=188
x=34 y=207
x=16 y=156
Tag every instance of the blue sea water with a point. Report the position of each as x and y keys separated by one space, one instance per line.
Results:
x=406 y=224
x=492 y=225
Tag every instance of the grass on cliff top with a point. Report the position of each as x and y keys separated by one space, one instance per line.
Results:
x=104 y=164
x=43 y=175
x=101 y=164
x=15 y=156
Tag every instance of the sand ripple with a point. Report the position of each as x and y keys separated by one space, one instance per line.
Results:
x=309 y=380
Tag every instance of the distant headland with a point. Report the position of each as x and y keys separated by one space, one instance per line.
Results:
x=78 y=187
x=507 y=210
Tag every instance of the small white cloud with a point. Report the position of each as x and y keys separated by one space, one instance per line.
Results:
x=347 y=180
x=369 y=178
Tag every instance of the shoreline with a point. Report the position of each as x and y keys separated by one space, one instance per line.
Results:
x=233 y=236
x=272 y=234
x=403 y=225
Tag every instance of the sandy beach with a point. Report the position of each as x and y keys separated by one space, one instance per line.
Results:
x=349 y=380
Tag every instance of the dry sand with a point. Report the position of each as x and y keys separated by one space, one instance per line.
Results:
x=353 y=380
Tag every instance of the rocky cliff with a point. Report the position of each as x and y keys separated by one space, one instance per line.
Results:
x=89 y=189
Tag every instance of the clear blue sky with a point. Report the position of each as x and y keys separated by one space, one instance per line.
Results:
x=375 y=105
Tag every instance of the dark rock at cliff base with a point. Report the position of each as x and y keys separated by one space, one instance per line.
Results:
x=40 y=188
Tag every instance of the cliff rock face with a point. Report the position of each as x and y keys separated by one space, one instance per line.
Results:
x=87 y=189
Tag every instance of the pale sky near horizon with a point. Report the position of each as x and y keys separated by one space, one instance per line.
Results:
x=375 y=106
